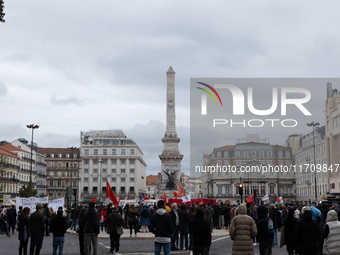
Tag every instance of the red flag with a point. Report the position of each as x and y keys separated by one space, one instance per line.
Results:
x=110 y=195
x=180 y=189
x=128 y=198
x=184 y=194
x=120 y=198
x=94 y=200
x=164 y=197
x=146 y=198
x=250 y=199
x=277 y=199
x=176 y=194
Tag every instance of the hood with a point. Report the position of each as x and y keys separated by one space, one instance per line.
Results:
x=146 y=207
x=332 y=216
x=161 y=211
x=132 y=210
x=242 y=209
x=262 y=212
x=307 y=215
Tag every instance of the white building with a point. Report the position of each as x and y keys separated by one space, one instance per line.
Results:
x=305 y=173
x=110 y=155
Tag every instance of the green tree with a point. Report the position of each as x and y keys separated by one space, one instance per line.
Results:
x=2 y=14
x=24 y=191
x=42 y=195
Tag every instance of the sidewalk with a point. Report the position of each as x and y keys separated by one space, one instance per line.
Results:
x=148 y=236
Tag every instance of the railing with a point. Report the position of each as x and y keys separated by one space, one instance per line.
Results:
x=308 y=182
x=41 y=164
x=28 y=159
x=8 y=180
x=11 y=166
x=42 y=175
x=41 y=186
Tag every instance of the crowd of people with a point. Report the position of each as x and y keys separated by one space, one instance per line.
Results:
x=305 y=230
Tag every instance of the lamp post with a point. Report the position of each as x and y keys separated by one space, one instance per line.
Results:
x=312 y=124
x=100 y=181
x=31 y=126
x=71 y=184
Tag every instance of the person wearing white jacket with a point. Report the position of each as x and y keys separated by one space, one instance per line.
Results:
x=331 y=234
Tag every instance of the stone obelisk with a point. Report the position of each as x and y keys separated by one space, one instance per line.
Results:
x=170 y=175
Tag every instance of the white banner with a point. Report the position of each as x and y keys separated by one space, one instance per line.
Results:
x=187 y=198
x=30 y=202
x=281 y=200
x=56 y=203
x=266 y=197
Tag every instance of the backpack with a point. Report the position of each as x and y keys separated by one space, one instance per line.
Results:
x=145 y=213
x=11 y=214
x=270 y=226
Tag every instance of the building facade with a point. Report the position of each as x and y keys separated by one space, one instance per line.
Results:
x=251 y=155
x=108 y=155
x=305 y=170
x=9 y=169
x=62 y=171
x=151 y=186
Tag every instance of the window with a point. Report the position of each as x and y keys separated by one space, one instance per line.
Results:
x=51 y=193
x=95 y=170
x=74 y=184
x=86 y=170
x=51 y=174
x=132 y=151
x=51 y=164
x=261 y=154
x=86 y=189
x=219 y=154
x=104 y=161
x=280 y=154
x=246 y=154
x=86 y=151
x=132 y=179
x=52 y=155
x=104 y=171
x=122 y=170
x=67 y=164
x=95 y=179
x=59 y=173
x=123 y=152
x=60 y=155
x=74 y=164
x=132 y=189
x=113 y=161
x=122 y=161
x=132 y=161
x=75 y=155
x=132 y=170
x=219 y=190
x=94 y=189
x=58 y=194
x=227 y=190
x=104 y=151
x=59 y=184
x=86 y=161
x=269 y=154
x=51 y=183
x=122 y=179
x=95 y=162
x=122 y=190
x=66 y=174
x=103 y=190
x=104 y=179
x=67 y=155
x=271 y=188
x=75 y=174
x=113 y=179
x=237 y=154
x=95 y=152
x=114 y=151
x=287 y=154
x=113 y=171
x=59 y=164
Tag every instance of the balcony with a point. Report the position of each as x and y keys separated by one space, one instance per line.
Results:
x=24 y=170
x=39 y=186
x=308 y=182
x=28 y=159
x=8 y=180
x=42 y=175
x=11 y=166
x=41 y=164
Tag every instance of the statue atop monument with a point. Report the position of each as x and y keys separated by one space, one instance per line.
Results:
x=169 y=177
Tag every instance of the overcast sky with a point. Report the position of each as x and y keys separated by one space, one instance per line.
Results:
x=83 y=65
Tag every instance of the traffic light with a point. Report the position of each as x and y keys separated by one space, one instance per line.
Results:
x=67 y=191
x=74 y=192
x=240 y=189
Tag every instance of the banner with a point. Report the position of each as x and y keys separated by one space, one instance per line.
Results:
x=266 y=197
x=187 y=198
x=56 y=203
x=30 y=202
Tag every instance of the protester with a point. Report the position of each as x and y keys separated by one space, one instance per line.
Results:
x=331 y=235
x=242 y=231
x=192 y=215
x=175 y=225
x=81 y=222
x=114 y=227
x=307 y=233
x=226 y=212
x=265 y=233
x=91 y=229
x=58 y=227
x=209 y=213
x=4 y=221
x=201 y=232
x=161 y=226
x=184 y=221
x=290 y=232
x=321 y=220
x=24 y=230
x=145 y=219
x=12 y=218
x=47 y=218
x=273 y=214
x=102 y=220
x=37 y=228
x=221 y=216
x=74 y=217
x=133 y=219
x=315 y=211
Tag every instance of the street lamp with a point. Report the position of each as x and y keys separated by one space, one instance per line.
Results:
x=312 y=124
x=100 y=181
x=32 y=126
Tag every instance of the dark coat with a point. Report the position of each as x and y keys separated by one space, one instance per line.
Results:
x=12 y=214
x=161 y=224
x=263 y=235
x=133 y=214
x=91 y=220
x=114 y=221
x=184 y=219
x=307 y=233
x=23 y=222
x=173 y=218
x=200 y=230
x=273 y=214
x=37 y=222
x=58 y=226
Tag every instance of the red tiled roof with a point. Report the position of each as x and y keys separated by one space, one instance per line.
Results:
x=151 y=178
x=8 y=153
x=11 y=147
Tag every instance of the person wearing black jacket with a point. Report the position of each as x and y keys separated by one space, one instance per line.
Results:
x=290 y=232
x=200 y=230
x=24 y=230
x=226 y=212
x=264 y=236
x=114 y=221
x=175 y=225
x=91 y=229
x=184 y=221
x=81 y=222
x=216 y=216
x=58 y=227
x=161 y=226
x=12 y=218
x=307 y=233
x=273 y=214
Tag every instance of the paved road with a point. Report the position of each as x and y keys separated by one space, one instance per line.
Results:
x=9 y=246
